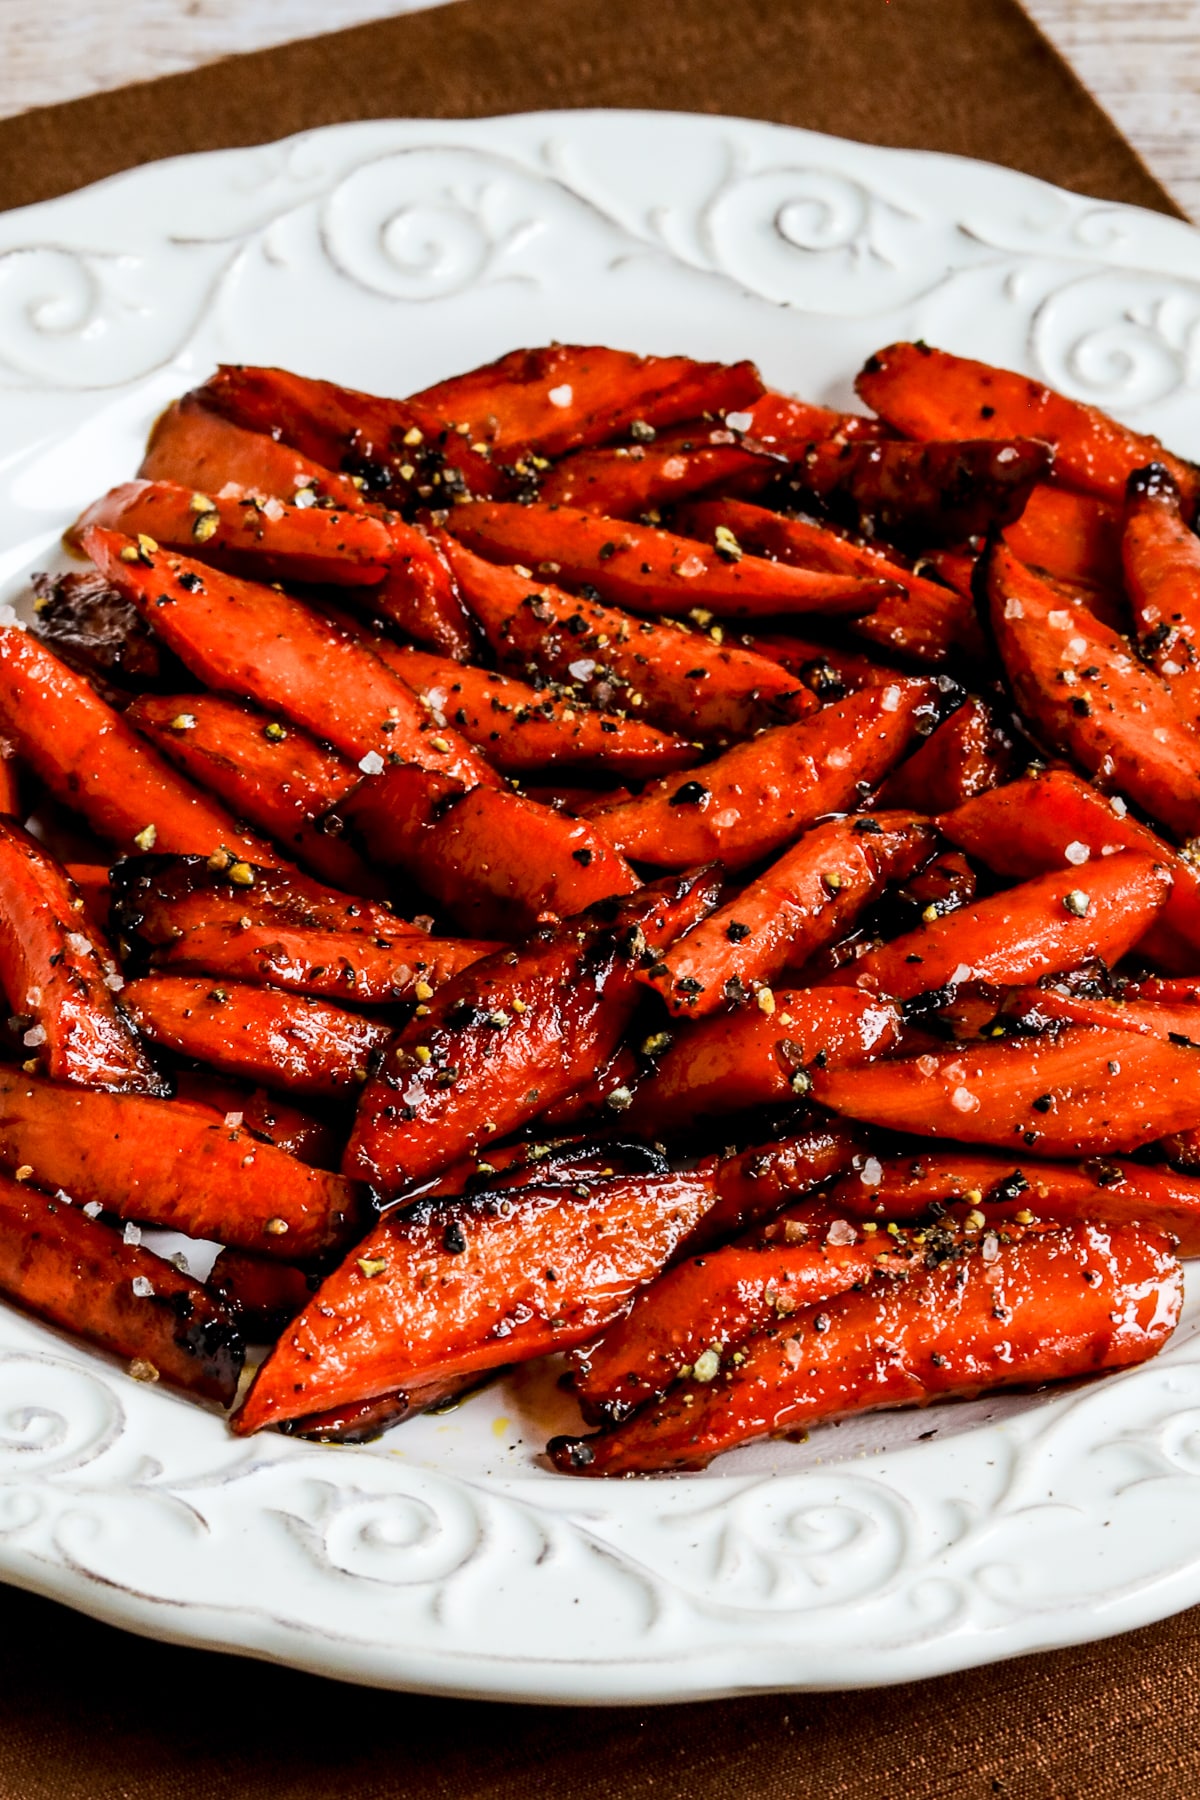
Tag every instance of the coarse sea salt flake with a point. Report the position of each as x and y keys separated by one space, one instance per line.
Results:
x=34 y=1036
x=890 y=700
x=371 y=763
x=1076 y=853
x=963 y=972
x=739 y=421
x=132 y=1234
x=142 y=1288
x=561 y=396
x=872 y=1172
x=1117 y=805
x=1077 y=647
x=1013 y=609
x=579 y=671
x=1061 y=621
x=838 y=759
x=79 y=944
x=964 y=1101
x=233 y=1120
x=841 y=1231
x=93 y=1209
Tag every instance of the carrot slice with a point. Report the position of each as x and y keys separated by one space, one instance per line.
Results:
x=273 y=774
x=263 y=645
x=1071 y=1302
x=285 y=1040
x=649 y=570
x=754 y=1057
x=1040 y=927
x=811 y=896
x=516 y=1274
x=682 y=680
x=93 y=762
x=171 y=1163
x=76 y=1273
x=754 y=1184
x=924 y=493
x=1161 y=558
x=757 y=797
x=965 y=756
x=1085 y=1092
x=1085 y=691
x=627 y=482
x=567 y=395
x=927 y=393
x=495 y=861
x=263 y=1296
x=270 y=539
x=505 y=1039
x=1073 y=537
x=918 y=618
x=196 y=447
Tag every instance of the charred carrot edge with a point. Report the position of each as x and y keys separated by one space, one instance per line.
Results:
x=755 y=1183
x=264 y=1297
x=421 y=596
x=363 y=1421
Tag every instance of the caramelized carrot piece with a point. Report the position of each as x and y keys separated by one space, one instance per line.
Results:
x=1085 y=1092
x=628 y=482
x=420 y=594
x=1072 y=537
x=494 y=860
x=172 y=1164
x=267 y=1118
x=518 y=1031
x=58 y=975
x=270 y=539
x=965 y=756
x=829 y=671
x=78 y=1274
x=362 y=1421
x=787 y=427
x=1161 y=558
x=263 y=645
x=681 y=680
x=285 y=1040
x=1071 y=1301
x=201 y=450
x=264 y=1297
x=755 y=1058
x=1117 y=719
x=812 y=895
x=604 y=1094
x=919 y=618
x=759 y=796
x=927 y=393
x=756 y=1183
x=92 y=885
x=567 y=395
x=1038 y=1008
x=1040 y=927
x=653 y=571
x=925 y=493
x=516 y=1274
x=273 y=774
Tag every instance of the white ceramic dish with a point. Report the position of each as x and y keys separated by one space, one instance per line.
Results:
x=445 y=1558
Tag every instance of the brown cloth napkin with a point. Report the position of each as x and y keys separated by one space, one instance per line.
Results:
x=88 y=1714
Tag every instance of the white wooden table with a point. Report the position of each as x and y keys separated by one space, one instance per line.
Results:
x=1141 y=58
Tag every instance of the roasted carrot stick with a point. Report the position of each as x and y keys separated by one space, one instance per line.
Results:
x=920 y=618
x=813 y=894
x=516 y=1274
x=266 y=1117
x=77 y=1273
x=1161 y=558
x=753 y=1057
x=604 y=1094
x=495 y=861
x=787 y=427
x=1036 y=1008
x=285 y=1040
x=271 y=773
x=362 y=1421
x=630 y=482
x=264 y=1297
x=757 y=797
x=830 y=671
x=682 y=680
x=259 y=644
x=268 y=539
x=927 y=393
x=1073 y=537
x=505 y=1039
x=170 y=1164
x=81 y=618
x=1069 y=1302
x=93 y=762
x=963 y=757
x=925 y=493
x=59 y=976
x=1040 y=927
x=199 y=449
x=756 y=1183
x=1084 y=1092
x=1085 y=692
x=420 y=594
x=653 y=571
x=567 y=395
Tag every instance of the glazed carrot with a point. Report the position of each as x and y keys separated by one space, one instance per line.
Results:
x=59 y=977
x=759 y=796
x=812 y=895
x=267 y=1118
x=567 y=395
x=829 y=671
x=362 y=1421
x=925 y=493
x=1114 y=717
x=787 y=427
x=81 y=618
x=928 y=393
x=420 y=594
x=160 y=895
x=505 y=1039
x=495 y=861
x=920 y=618
x=606 y=1093
x=516 y=1274
x=263 y=1296
x=681 y=680
x=753 y=1057
x=649 y=570
x=1085 y=1092
x=1071 y=1302
x=271 y=773
x=756 y=1183
x=285 y=1040
x=1073 y=537
x=1040 y=927
x=267 y=539
x=170 y=1164
x=93 y=762
x=1054 y=820
x=631 y=481
x=75 y=1272
x=1037 y=1008
x=965 y=756
x=1161 y=558
x=199 y=449
x=260 y=644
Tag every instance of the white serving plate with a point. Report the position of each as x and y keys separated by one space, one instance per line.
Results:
x=446 y=1558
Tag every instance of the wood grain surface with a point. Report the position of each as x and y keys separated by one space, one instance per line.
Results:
x=1141 y=58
